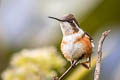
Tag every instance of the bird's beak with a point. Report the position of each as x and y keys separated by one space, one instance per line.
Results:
x=56 y=19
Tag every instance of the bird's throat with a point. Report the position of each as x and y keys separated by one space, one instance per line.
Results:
x=68 y=29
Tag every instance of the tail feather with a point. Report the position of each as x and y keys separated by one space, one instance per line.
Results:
x=86 y=65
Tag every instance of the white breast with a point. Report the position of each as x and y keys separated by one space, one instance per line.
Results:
x=73 y=50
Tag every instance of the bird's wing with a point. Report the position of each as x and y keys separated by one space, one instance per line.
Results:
x=91 y=39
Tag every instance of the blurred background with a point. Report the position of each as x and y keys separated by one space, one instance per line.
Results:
x=25 y=29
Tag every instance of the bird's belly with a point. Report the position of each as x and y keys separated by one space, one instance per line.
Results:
x=73 y=51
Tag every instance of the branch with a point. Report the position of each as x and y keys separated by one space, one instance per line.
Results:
x=99 y=58
x=65 y=73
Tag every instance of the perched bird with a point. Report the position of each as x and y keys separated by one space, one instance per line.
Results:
x=76 y=44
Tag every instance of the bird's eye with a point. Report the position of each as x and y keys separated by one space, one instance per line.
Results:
x=70 y=21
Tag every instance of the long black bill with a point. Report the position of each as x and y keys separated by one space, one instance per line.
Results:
x=56 y=19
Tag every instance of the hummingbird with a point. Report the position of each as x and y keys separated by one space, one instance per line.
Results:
x=77 y=45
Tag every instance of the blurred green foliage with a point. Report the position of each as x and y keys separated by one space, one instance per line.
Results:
x=34 y=64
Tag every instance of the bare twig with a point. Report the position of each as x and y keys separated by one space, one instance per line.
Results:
x=65 y=73
x=98 y=66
